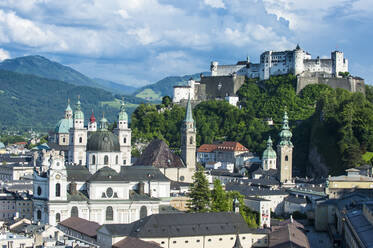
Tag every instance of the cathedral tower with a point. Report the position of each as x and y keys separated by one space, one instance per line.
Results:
x=124 y=135
x=188 y=139
x=78 y=138
x=68 y=111
x=285 y=152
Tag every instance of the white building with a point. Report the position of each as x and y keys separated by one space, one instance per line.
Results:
x=183 y=92
x=263 y=207
x=274 y=63
x=220 y=166
x=8 y=239
x=108 y=194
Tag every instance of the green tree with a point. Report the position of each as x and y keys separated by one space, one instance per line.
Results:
x=199 y=193
x=167 y=101
x=219 y=199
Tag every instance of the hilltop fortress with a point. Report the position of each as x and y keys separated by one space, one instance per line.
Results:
x=225 y=80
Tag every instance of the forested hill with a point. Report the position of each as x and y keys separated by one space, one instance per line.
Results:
x=28 y=101
x=332 y=129
x=40 y=66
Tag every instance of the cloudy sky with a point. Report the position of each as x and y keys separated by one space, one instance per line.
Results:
x=137 y=42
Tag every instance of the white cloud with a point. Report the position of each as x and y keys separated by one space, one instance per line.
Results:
x=215 y=3
x=4 y=54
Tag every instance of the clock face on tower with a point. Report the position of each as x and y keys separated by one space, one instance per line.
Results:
x=58 y=177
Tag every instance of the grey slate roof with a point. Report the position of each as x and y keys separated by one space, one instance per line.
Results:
x=77 y=173
x=159 y=155
x=295 y=200
x=128 y=174
x=250 y=191
x=361 y=226
x=288 y=236
x=181 y=225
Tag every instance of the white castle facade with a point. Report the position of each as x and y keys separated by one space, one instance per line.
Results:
x=273 y=63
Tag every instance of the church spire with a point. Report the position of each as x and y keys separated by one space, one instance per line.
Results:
x=78 y=110
x=68 y=110
x=189 y=115
x=285 y=133
x=103 y=123
x=237 y=244
x=122 y=115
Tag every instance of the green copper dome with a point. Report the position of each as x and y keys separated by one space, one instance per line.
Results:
x=285 y=133
x=78 y=111
x=63 y=126
x=122 y=116
x=269 y=152
x=103 y=141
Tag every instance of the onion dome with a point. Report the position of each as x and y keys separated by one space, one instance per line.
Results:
x=103 y=141
x=122 y=115
x=285 y=133
x=92 y=119
x=269 y=152
x=78 y=114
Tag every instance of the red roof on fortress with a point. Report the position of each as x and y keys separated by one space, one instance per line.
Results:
x=225 y=146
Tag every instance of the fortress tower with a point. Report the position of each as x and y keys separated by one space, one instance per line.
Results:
x=285 y=152
x=339 y=63
x=188 y=139
x=298 y=60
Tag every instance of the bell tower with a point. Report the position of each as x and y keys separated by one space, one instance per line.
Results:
x=78 y=137
x=285 y=152
x=124 y=135
x=188 y=139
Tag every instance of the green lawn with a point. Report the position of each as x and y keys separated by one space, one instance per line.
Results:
x=150 y=95
x=116 y=104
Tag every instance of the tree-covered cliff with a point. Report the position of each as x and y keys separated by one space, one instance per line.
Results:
x=331 y=128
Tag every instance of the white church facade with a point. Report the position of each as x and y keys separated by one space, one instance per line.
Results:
x=95 y=181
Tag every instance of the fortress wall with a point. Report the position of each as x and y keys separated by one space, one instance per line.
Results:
x=229 y=85
x=322 y=65
x=350 y=84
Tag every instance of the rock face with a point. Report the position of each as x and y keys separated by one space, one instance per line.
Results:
x=319 y=168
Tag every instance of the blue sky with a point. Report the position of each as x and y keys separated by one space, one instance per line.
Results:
x=137 y=42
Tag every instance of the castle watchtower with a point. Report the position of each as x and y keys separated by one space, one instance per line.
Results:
x=339 y=63
x=298 y=60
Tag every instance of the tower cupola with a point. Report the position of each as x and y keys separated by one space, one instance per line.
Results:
x=103 y=123
x=68 y=111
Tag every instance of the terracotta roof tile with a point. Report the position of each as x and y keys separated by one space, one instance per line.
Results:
x=80 y=225
x=231 y=146
x=207 y=148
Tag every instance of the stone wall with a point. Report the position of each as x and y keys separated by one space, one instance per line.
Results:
x=352 y=84
x=221 y=86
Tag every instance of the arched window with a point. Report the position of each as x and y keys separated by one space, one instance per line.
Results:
x=124 y=140
x=39 y=190
x=109 y=213
x=143 y=212
x=93 y=159
x=116 y=160
x=58 y=217
x=106 y=160
x=80 y=140
x=74 y=212
x=191 y=140
x=58 y=190
x=286 y=158
x=38 y=214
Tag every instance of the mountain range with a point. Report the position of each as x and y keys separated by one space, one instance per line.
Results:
x=27 y=103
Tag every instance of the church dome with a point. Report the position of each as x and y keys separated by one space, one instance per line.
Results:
x=269 y=152
x=63 y=126
x=103 y=141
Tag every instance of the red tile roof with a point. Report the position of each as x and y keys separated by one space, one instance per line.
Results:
x=231 y=146
x=207 y=148
x=225 y=146
x=131 y=242
x=80 y=225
